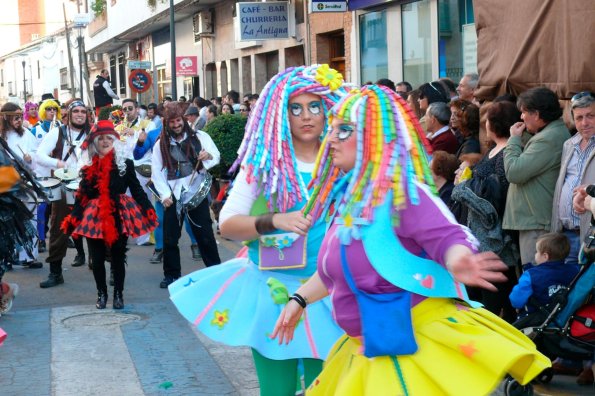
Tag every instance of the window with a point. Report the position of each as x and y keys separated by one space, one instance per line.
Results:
x=1 y=77
x=64 y=78
x=163 y=85
x=452 y=16
x=373 y=46
x=38 y=70
x=417 y=42
x=112 y=71
x=122 y=74
x=10 y=90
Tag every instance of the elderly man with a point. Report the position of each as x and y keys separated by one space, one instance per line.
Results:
x=578 y=168
x=533 y=171
x=467 y=87
x=440 y=135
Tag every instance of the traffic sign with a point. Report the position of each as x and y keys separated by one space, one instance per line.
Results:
x=139 y=81
x=137 y=64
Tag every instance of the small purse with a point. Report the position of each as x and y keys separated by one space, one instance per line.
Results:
x=282 y=251
x=387 y=329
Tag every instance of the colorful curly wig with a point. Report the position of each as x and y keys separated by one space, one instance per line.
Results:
x=392 y=153
x=266 y=153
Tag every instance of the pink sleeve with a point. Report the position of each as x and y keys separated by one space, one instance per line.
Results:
x=429 y=227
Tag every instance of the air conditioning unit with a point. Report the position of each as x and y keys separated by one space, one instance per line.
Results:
x=203 y=23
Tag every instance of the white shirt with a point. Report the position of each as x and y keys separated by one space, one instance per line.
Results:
x=166 y=187
x=242 y=195
x=438 y=132
x=75 y=161
x=22 y=144
x=109 y=91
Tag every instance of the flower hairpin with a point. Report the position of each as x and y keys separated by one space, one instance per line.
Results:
x=329 y=77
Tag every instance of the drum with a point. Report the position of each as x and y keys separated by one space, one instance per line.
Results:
x=66 y=175
x=198 y=190
x=69 y=190
x=51 y=187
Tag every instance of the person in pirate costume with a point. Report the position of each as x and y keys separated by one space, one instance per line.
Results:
x=394 y=262
x=104 y=213
x=22 y=144
x=237 y=303
x=179 y=160
x=61 y=149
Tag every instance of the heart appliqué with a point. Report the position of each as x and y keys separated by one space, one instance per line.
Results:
x=428 y=282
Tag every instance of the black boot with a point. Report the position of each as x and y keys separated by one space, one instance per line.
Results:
x=79 y=260
x=118 y=300
x=52 y=280
x=101 y=299
x=55 y=278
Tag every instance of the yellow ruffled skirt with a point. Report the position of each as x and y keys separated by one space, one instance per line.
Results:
x=462 y=351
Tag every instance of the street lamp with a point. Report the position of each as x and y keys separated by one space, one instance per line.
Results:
x=24 y=83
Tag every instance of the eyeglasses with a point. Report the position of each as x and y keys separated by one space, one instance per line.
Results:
x=78 y=111
x=243 y=110
x=17 y=117
x=51 y=109
x=581 y=95
x=128 y=108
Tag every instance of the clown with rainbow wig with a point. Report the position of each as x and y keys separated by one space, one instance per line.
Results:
x=394 y=262
x=238 y=302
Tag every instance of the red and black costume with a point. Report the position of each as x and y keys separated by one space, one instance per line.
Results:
x=106 y=216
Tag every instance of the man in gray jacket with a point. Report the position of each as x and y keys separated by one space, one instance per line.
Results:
x=578 y=169
x=533 y=171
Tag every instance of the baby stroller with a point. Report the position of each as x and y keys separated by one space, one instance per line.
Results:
x=564 y=328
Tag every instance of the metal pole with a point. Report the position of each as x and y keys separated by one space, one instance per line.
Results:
x=24 y=84
x=80 y=41
x=172 y=40
x=70 y=64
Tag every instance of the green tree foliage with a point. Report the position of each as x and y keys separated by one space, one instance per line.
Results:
x=227 y=132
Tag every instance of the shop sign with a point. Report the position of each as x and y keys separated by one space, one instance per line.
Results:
x=137 y=64
x=329 y=6
x=361 y=4
x=186 y=65
x=139 y=81
x=264 y=21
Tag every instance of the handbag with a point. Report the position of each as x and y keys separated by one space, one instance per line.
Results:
x=143 y=170
x=282 y=251
x=387 y=328
x=582 y=325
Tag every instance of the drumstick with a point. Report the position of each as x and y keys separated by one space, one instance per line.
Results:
x=19 y=146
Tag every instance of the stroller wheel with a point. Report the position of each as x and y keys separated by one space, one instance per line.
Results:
x=513 y=388
x=546 y=376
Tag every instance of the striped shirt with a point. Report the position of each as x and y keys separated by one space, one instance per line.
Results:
x=574 y=174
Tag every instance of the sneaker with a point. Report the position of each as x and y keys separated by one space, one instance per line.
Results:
x=79 y=260
x=33 y=264
x=195 y=252
x=52 y=280
x=168 y=280
x=157 y=257
x=8 y=297
x=41 y=248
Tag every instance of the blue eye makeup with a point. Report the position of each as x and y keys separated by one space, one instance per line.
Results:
x=344 y=132
x=315 y=108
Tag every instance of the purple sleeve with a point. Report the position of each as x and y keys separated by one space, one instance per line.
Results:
x=429 y=227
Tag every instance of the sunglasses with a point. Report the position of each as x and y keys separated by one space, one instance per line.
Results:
x=128 y=108
x=79 y=111
x=581 y=95
x=243 y=110
x=17 y=117
x=51 y=109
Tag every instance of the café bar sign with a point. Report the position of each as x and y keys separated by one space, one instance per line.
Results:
x=264 y=21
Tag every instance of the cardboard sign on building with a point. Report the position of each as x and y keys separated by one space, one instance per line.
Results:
x=264 y=21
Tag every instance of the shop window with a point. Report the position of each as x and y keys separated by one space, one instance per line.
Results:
x=373 y=46
x=417 y=42
x=452 y=16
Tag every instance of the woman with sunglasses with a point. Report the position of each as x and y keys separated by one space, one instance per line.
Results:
x=237 y=302
x=394 y=262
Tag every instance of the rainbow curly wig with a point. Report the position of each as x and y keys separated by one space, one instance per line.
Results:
x=392 y=153
x=266 y=153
